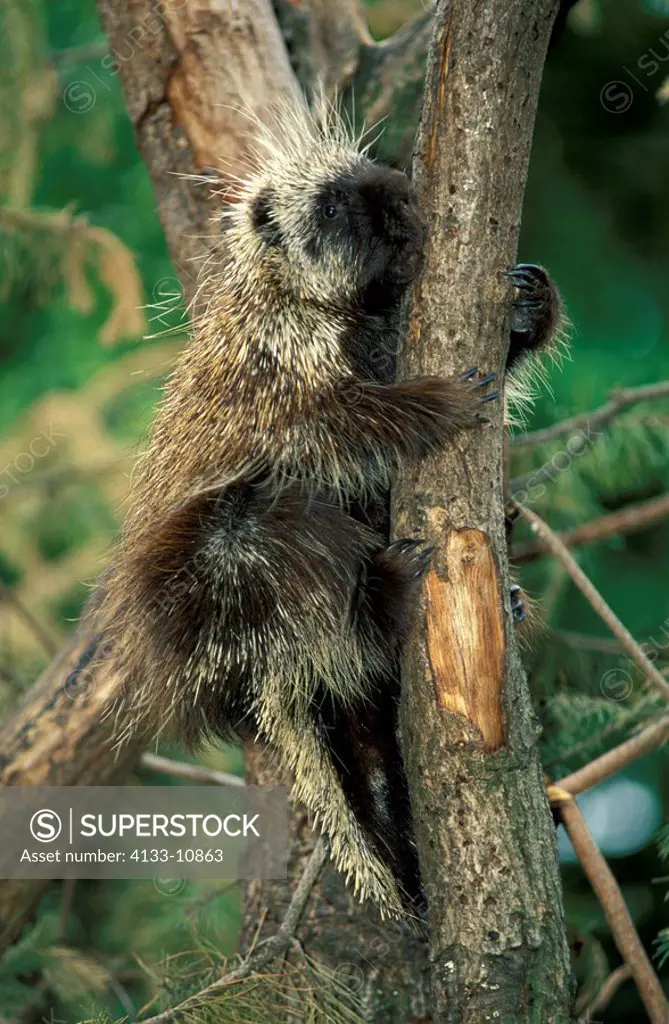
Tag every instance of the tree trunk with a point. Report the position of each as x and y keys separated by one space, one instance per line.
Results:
x=195 y=68
x=485 y=834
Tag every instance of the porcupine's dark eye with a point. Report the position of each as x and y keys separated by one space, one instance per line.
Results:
x=330 y=210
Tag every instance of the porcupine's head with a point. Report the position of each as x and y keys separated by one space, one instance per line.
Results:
x=329 y=224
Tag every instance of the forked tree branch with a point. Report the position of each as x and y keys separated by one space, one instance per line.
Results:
x=631 y=519
x=590 y=421
x=616 y=759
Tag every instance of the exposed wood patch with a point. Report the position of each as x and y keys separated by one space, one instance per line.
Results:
x=465 y=634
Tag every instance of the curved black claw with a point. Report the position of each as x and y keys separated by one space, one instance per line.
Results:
x=528 y=275
x=470 y=377
x=415 y=555
x=517 y=604
x=536 y=309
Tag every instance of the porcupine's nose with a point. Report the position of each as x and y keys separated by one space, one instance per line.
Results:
x=396 y=222
x=391 y=200
x=405 y=226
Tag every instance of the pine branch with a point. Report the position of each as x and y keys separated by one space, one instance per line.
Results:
x=588 y=589
x=589 y=421
x=615 y=910
x=632 y=519
x=616 y=759
x=265 y=952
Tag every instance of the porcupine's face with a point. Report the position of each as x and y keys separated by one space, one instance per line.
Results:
x=342 y=230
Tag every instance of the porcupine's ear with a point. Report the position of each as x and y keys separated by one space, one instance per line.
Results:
x=263 y=219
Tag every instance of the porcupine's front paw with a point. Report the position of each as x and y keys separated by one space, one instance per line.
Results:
x=535 y=312
x=517 y=603
x=476 y=386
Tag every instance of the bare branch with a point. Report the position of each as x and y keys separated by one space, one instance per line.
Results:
x=620 y=400
x=606 y=993
x=632 y=519
x=586 y=642
x=338 y=31
x=265 y=951
x=192 y=772
x=618 y=916
x=588 y=589
x=616 y=759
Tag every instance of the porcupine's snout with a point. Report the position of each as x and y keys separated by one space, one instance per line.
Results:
x=398 y=225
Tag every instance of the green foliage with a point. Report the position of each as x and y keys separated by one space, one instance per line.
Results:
x=299 y=989
x=662 y=941
x=66 y=974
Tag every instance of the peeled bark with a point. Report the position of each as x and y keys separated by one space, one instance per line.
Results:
x=485 y=834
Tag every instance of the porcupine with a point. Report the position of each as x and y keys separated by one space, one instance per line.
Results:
x=254 y=591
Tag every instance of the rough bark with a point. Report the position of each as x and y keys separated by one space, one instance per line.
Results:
x=485 y=834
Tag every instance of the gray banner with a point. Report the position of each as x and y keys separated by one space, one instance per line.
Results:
x=143 y=832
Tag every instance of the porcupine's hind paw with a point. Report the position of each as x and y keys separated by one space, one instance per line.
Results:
x=535 y=312
x=389 y=587
x=406 y=558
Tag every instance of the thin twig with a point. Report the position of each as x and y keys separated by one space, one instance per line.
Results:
x=46 y=640
x=192 y=772
x=268 y=949
x=628 y=520
x=586 y=642
x=606 y=993
x=588 y=589
x=618 y=916
x=620 y=399
x=616 y=759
